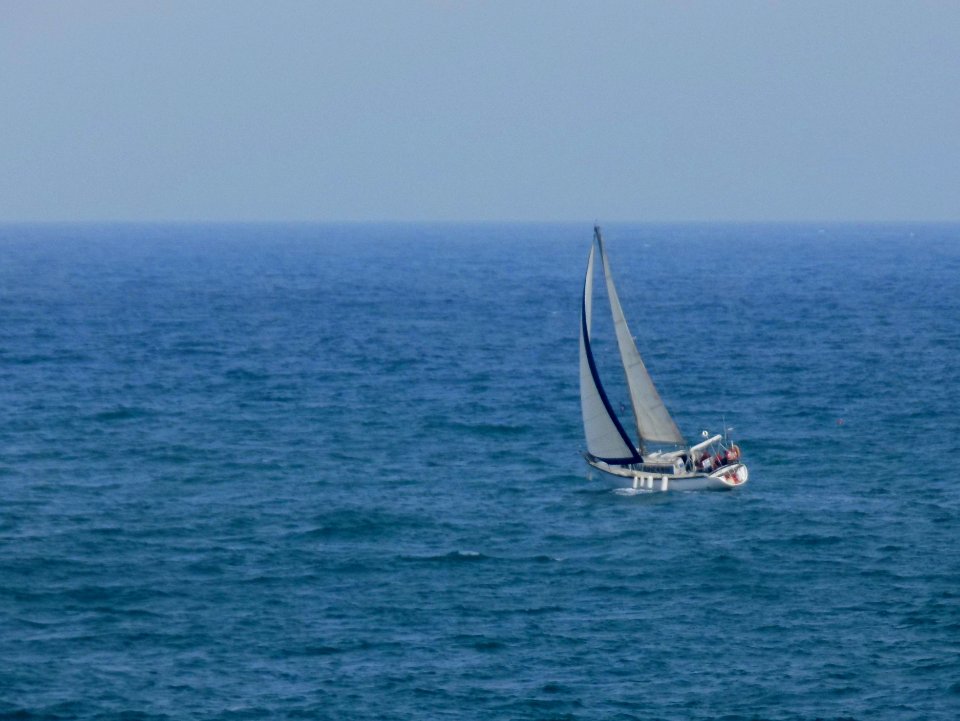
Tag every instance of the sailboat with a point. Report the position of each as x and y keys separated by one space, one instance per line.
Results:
x=660 y=459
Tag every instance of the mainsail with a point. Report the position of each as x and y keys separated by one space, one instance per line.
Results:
x=606 y=437
x=654 y=424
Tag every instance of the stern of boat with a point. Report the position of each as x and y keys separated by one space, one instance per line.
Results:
x=732 y=476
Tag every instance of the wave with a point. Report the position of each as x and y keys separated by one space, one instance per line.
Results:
x=122 y=413
x=451 y=557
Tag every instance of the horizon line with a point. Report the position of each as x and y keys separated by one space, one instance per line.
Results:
x=353 y=221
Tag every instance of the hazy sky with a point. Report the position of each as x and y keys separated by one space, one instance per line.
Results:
x=479 y=110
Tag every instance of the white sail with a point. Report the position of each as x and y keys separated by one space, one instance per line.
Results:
x=605 y=436
x=654 y=424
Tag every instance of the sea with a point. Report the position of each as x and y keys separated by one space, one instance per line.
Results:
x=334 y=471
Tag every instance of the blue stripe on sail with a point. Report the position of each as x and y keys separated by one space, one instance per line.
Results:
x=636 y=458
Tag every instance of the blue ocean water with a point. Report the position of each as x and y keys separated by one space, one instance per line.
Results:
x=333 y=472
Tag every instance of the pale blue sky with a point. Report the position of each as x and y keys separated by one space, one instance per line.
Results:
x=479 y=110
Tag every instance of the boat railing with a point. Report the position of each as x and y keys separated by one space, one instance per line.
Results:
x=714 y=453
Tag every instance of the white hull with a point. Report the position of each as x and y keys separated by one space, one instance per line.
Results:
x=723 y=479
